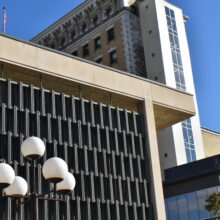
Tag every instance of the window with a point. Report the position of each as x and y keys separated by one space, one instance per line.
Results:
x=111 y=34
x=113 y=57
x=52 y=46
x=75 y=53
x=62 y=41
x=95 y=19
x=97 y=42
x=108 y=11
x=188 y=140
x=99 y=60
x=86 y=50
x=189 y=206
x=73 y=34
x=84 y=27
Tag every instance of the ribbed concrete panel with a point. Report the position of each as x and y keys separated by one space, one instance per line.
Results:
x=103 y=146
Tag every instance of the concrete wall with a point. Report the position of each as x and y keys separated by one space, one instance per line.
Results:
x=211 y=140
x=162 y=106
x=160 y=67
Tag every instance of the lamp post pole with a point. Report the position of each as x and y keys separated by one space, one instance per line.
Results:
x=34 y=193
x=54 y=170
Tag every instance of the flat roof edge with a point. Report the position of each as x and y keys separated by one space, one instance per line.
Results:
x=93 y=63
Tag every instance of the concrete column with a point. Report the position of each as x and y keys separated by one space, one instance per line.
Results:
x=157 y=198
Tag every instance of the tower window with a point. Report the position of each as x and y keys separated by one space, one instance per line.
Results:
x=73 y=34
x=52 y=46
x=111 y=34
x=84 y=27
x=97 y=42
x=108 y=11
x=95 y=19
x=113 y=57
x=75 y=53
x=86 y=50
x=62 y=41
x=99 y=60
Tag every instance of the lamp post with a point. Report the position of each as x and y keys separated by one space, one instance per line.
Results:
x=55 y=170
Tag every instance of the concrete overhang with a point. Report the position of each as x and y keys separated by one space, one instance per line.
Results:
x=33 y=64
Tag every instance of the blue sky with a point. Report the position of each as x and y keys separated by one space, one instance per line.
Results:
x=27 y=18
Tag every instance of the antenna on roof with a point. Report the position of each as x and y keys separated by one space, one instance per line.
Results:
x=4 y=20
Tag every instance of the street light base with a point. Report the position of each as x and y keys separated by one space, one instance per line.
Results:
x=55 y=180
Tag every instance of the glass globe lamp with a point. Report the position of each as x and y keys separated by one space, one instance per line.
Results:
x=7 y=175
x=33 y=148
x=19 y=187
x=54 y=169
x=67 y=185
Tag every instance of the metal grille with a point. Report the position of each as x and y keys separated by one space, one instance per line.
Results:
x=104 y=147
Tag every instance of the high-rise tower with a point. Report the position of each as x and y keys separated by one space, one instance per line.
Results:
x=147 y=39
x=168 y=61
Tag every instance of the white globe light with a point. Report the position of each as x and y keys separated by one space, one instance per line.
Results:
x=7 y=175
x=19 y=187
x=67 y=185
x=54 y=169
x=33 y=148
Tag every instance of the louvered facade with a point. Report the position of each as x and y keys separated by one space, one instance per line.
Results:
x=101 y=121
x=102 y=145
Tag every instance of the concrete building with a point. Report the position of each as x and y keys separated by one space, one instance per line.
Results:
x=104 y=129
x=211 y=140
x=103 y=31
x=147 y=39
x=187 y=187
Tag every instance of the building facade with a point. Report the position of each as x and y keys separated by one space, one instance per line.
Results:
x=147 y=39
x=187 y=187
x=168 y=61
x=101 y=31
x=211 y=140
x=104 y=130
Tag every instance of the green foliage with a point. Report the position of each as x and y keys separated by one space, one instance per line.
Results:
x=213 y=204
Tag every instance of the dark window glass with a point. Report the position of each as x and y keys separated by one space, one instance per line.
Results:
x=172 y=209
x=179 y=59
x=176 y=42
x=108 y=11
x=192 y=146
x=95 y=19
x=169 y=23
x=193 y=206
x=52 y=46
x=113 y=57
x=201 y=197
x=99 y=60
x=185 y=135
x=167 y=11
x=182 y=207
x=62 y=41
x=172 y=13
x=188 y=155
x=182 y=79
x=73 y=34
x=111 y=34
x=190 y=136
x=193 y=155
x=84 y=27
x=174 y=25
x=97 y=42
x=86 y=50
x=75 y=53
